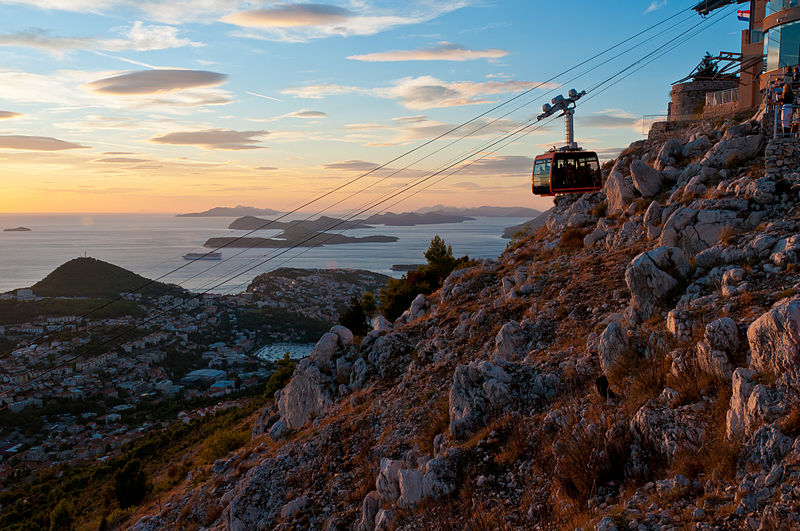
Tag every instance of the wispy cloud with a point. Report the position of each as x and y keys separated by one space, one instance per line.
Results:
x=301 y=22
x=36 y=143
x=655 y=5
x=301 y=114
x=214 y=139
x=424 y=92
x=138 y=37
x=4 y=115
x=444 y=51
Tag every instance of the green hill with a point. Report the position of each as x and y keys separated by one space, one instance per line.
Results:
x=89 y=277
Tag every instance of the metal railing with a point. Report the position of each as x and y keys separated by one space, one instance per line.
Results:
x=722 y=97
x=793 y=122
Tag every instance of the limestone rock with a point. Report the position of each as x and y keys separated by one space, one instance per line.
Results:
x=384 y=520
x=696 y=230
x=766 y=447
x=731 y=151
x=722 y=334
x=618 y=190
x=652 y=277
x=410 y=488
x=696 y=147
x=369 y=509
x=648 y=181
x=749 y=405
x=387 y=484
x=278 y=431
x=670 y=151
x=775 y=338
x=612 y=345
x=508 y=342
x=306 y=395
x=477 y=389
x=668 y=431
x=293 y=507
x=652 y=220
x=437 y=480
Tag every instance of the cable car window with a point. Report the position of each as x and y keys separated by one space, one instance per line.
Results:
x=541 y=173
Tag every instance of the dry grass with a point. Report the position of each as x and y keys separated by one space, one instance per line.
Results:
x=437 y=420
x=572 y=239
x=728 y=235
x=590 y=453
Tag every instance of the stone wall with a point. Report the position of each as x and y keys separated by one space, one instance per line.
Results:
x=689 y=99
x=782 y=157
x=719 y=111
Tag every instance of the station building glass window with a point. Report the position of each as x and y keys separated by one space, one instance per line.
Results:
x=773 y=6
x=783 y=46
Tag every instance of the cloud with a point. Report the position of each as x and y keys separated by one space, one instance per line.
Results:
x=308 y=115
x=155 y=81
x=122 y=160
x=351 y=165
x=138 y=37
x=289 y=16
x=424 y=92
x=142 y=38
x=36 y=143
x=467 y=186
x=302 y=114
x=266 y=168
x=213 y=139
x=508 y=166
x=445 y=51
x=655 y=5
x=612 y=119
x=4 y=115
x=302 y=22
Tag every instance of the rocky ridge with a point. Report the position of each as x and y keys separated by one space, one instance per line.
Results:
x=633 y=364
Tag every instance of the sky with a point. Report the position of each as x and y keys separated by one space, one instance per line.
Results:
x=183 y=105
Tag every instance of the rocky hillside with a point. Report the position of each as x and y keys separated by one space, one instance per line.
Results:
x=633 y=364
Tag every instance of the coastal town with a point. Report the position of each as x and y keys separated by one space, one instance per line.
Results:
x=78 y=387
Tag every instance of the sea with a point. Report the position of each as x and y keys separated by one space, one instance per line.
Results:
x=153 y=246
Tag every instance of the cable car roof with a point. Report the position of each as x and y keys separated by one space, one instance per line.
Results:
x=707 y=6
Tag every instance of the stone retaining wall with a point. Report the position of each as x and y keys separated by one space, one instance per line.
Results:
x=719 y=111
x=782 y=157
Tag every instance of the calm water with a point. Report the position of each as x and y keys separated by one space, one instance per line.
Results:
x=153 y=245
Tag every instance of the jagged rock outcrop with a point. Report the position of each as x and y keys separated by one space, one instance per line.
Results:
x=314 y=383
x=775 y=339
x=733 y=150
x=652 y=278
x=721 y=339
x=619 y=191
x=648 y=181
x=696 y=230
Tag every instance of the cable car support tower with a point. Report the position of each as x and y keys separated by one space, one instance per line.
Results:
x=567 y=106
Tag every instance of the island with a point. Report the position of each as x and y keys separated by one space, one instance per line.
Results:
x=17 y=229
x=294 y=237
x=411 y=219
x=483 y=211
x=321 y=224
x=223 y=212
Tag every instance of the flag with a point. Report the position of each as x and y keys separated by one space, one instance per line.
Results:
x=743 y=15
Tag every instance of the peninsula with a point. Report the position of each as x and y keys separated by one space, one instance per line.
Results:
x=17 y=229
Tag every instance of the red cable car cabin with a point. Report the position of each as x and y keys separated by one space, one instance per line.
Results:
x=566 y=172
